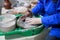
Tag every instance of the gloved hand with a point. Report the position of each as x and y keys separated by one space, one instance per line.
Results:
x=33 y=20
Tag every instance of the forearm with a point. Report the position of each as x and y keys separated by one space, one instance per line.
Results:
x=51 y=20
x=37 y=8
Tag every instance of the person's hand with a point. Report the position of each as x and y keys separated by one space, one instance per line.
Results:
x=15 y=12
x=28 y=14
x=33 y=20
x=21 y=10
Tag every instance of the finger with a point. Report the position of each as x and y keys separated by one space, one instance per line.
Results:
x=31 y=22
x=28 y=21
